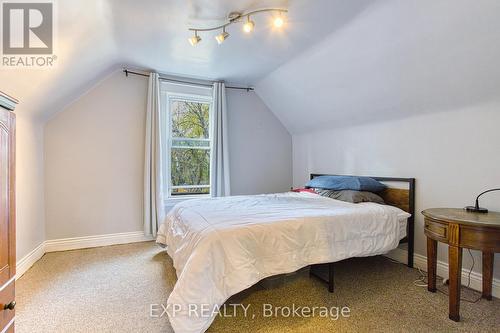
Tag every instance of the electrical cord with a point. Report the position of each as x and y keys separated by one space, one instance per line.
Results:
x=422 y=280
x=468 y=284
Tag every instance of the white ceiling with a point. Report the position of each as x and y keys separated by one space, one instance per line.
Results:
x=157 y=38
x=397 y=58
x=337 y=62
x=96 y=37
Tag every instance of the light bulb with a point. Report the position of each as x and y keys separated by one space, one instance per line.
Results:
x=195 y=39
x=248 y=26
x=222 y=37
x=278 y=22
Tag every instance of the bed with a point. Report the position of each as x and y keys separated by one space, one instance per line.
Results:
x=221 y=246
x=403 y=198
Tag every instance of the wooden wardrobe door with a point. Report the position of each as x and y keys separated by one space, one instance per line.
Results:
x=7 y=218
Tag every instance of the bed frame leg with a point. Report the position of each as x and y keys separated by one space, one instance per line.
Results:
x=329 y=281
x=411 y=240
x=411 y=222
x=410 y=258
x=330 y=277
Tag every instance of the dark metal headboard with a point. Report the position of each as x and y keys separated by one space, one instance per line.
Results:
x=402 y=198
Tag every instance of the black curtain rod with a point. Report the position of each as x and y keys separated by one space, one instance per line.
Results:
x=127 y=72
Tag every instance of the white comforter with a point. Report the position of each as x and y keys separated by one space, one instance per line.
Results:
x=222 y=246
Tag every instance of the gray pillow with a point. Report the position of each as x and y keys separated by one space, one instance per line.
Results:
x=351 y=196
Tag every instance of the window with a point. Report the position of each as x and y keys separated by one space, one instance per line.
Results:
x=189 y=144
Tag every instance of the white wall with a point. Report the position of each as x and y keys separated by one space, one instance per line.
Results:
x=260 y=147
x=30 y=217
x=94 y=161
x=452 y=155
x=94 y=157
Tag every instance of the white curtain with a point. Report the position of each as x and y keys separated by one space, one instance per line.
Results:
x=220 y=160
x=153 y=201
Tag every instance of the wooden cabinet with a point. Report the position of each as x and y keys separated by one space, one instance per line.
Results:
x=7 y=220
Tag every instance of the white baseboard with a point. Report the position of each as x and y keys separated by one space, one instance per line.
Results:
x=420 y=261
x=75 y=243
x=28 y=260
x=65 y=244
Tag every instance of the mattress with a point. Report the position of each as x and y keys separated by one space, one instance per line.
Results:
x=221 y=246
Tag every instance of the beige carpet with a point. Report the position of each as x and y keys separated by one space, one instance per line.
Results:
x=110 y=289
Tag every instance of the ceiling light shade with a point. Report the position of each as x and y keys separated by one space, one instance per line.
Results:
x=278 y=21
x=249 y=25
x=222 y=36
x=195 y=39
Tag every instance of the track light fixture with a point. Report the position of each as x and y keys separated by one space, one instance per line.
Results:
x=249 y=25
x=278 y=21
x=235 y=17
x=195 y=39
x=222 y=36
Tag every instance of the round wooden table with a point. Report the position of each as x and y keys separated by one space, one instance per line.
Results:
x=461 y=229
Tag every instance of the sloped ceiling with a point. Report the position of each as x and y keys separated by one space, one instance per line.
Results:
x=96 y=37
x=85 y=52
x=395 y=59
x=337 y=63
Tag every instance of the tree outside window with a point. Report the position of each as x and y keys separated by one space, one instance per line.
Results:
x=190 y=146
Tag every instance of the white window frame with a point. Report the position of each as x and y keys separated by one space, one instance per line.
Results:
x=167 y=99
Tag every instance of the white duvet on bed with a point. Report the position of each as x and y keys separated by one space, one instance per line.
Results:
x=221 y=246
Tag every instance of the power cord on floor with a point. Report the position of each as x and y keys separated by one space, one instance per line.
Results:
x=422 y=280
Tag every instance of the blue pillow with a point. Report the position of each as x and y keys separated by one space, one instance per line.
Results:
x=339 y=183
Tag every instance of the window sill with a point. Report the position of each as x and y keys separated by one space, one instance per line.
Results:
x=173 y=200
